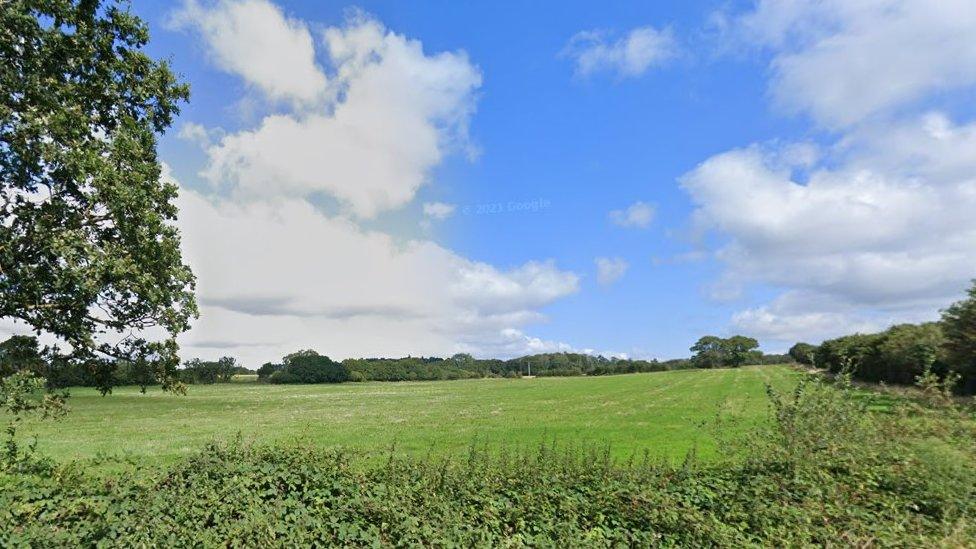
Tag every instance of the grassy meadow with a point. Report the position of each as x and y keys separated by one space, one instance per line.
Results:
x=665 y=413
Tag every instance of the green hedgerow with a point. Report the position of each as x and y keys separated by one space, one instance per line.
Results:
x=823 y=471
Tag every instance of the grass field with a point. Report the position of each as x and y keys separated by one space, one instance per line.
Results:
x=665 y=413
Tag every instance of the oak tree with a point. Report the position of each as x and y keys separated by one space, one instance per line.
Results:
x=89 y=249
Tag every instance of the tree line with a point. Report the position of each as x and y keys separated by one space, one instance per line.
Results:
x=904 y=353
x=21 y=353
x=308 y=366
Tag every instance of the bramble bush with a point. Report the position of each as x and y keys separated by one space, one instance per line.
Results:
x=823 y=471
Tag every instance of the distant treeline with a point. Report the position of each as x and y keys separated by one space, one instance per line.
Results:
x=23 y=353
x=903 y=353
x=309 y=366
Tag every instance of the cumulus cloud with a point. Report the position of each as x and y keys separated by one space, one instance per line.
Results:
x=803 y=315
x=882 y=225
x=762 y=322
x=842 y=61
x=610 y=269
x=875 y=227
x=638 y=214
x=369 y=148
x=257 y=41
x=275 y=273
x=199 y=134
x=195 y=133
x=281 y=275
x=530 y=286
x=629 y=56
x=439 y=210
x=511 y=342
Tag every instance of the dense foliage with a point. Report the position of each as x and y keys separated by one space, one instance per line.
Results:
x=803 y=353
x=898 y=355
x=89 y=251
x=19 y=353
x=959 y=329
x=412 y=368
x=904 y=353
x=309 y=367
x=824 y=471
x=23 y=354
x=568 y=364
x=207 y=372
x=717 y=352
x=463 y=366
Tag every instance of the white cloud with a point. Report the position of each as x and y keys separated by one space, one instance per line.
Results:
x=195 y=133
x=787 y=327
x=877 y=227
x=638 y=214
x=439 y=210
x=278 y=275
x=255 y=40
x=629 y=56
x=843 y=61
x=199 y=134
x=371 y=149
x=881 y=229
x=530 y=286
x=511 y=342
x=610 y=269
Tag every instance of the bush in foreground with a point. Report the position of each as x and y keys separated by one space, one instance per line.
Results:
x=824 y=471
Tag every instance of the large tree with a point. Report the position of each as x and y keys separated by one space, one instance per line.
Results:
x=738 y=350
x=715 y=352
x=20 y=353
x=89 y=250
x=709 y=352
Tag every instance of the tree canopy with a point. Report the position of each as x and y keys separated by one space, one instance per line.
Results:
x=715 y=352
x=18 y=353
x=89 y=250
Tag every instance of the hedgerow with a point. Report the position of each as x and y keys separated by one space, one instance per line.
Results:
x=823 y=471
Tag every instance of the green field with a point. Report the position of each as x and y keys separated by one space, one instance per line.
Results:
x=665 y=413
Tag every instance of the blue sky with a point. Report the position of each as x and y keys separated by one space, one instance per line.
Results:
x=762 y=136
